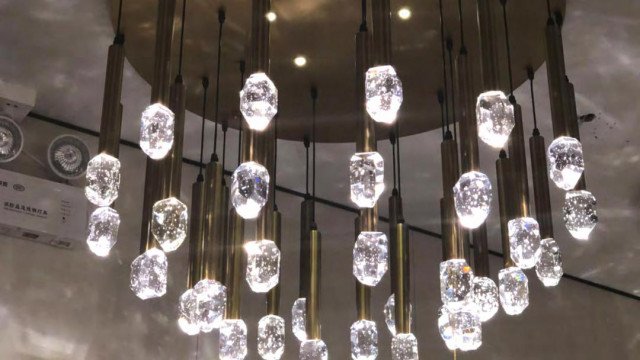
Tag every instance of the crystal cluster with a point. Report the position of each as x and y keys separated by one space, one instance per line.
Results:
x=249 y=189
x=472 y=196
x=149 y=274
x=514 y=290
x=566 y=162
x=460 y=329
x=103 y=230
x=259 y=101
x=549 y=266
x=156 y=131
x=263 y=265
x=364 y=340
x=456 y=279
x=103 y=180
x=169 y=223
x=484 y=297
x=404 y=347
x=370 y=257
x=366 y=175
x=271 y=332
x=383 y=91
x=579 y=213
x=314 y=350
x=233 y=340
x=298 y=319
x=188 y=313
x=524 y=242
x=211 y=304
x=390 y=314
x=494 y=114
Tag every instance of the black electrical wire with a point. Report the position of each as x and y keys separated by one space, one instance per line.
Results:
x=184 y=11
x=242 y=70
x=363 y=24
x=441 y=102
x=444 y=67
x=225 y=127
x=453 y=98
x=314 y=99
x=462 y=46
x=549 y=9
x=306 y=147
x=392 y=140
x=205 y=87
x=533 y=101
x=275 y=160
x=398 y=158
x=119 y=38
x=221 y=18
x=506 y=34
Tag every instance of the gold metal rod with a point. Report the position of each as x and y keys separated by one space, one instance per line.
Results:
x=171 y=165
x=366 y=130
x=555 y=77
x=363 y=292
x=444 y=228
x=226 y=240
x=196 y=232
x=519 y=164
x=541 y=196
x=260 y=36
x=273 y=297
x=450 y=174
x=313 y=301
x=381 y=15
x=234 y=265
x=307 y=214
x=572 y=127
x=488 y=45
x=267 y=158
x=400 y=277
x=213 y=220
x=151 y=190
x=505 y=199
x=111 y=121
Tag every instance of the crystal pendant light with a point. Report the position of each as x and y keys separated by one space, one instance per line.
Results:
x=549 y=266
x=263 y=265
x=188 y=313
x=364 y=340
x=524 y=242
x=484 y=297
x=566 y=162
x=389 y=312
x=461 y=329
x=514 y=290
x=103 y=180
x=404 y=347
x=211 y=304
x=383 y=91
x=103 y=230
x=494 y=114
x=149 y=274
x=314 y=349
x=156 y=131
x=580 y=213
x=169 y=223
x=298 y=319
x=233 y=340
x=366 y=175
x=370 y=257
x=456 y=278
x=249 y=189
x=258 y=101
x=271 y=334
x=472 y=196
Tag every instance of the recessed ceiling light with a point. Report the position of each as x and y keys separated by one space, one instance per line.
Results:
x=300 y=61
x=404 y=13
x=271 y=16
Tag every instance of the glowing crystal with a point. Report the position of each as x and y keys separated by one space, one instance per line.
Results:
x=514 y=290
x=580 y=213
x=169 y=221
x=249 y=189
x=383 y=91
x=460 y=329
x=149 y=274
x=456 y=277
x=366 y=175
x=484 y=297
x=259 y=101
x=263 y=265
x=103 y=180
x=390 y=314
x=549 y=266
x=313 y=350
x=156 y=131
x=404 y=347
x=472 y=197
x=566 y=162
x=233 y=340
x=370 y=257
x=271 y=332
x=298 y=319
x=212 y=303
x=103 y=230
x=188 y=313
x=524 y=242
x=364 y=340
x=494 y=114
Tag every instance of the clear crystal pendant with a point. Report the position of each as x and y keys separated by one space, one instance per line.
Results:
x=524 y=242
x=364 y=340
x=494 y=114
x=156 y=131
x=188 y=313
x=456 y=278
x=149 y=274
x=103 y=230
x=404 y=347
x=566 y=162
x=580 y=213
x=249 y=189
x=370 y=257
x=514 y=290
x=314 y=350
x=271 y=332
x=549 y=266
x=484 y=297
x=212 y=303
x=383 y=91
x=390 y=314
x=103 y=180
x=263 y=265
x=233 y=340
x=460 y=329
x=258 y=101
x=366 y=175
x=169 y=221
x=472 y=196
x=298 y=319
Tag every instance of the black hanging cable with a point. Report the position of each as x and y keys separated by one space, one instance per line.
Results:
x=363 y=24
x=275 y=161
x=314 y=99
x=506 y=34
x=225 y=127
x=392 y=140
x=205 y=86
x=549 y=9
x=398 y=161
x=441 y=102
x=221 y=18
x=184 y=12
x=453 y=97
x=462 y=46
x=444 y=67
x=306 y=147
x=119 y=38
x=533 y=101
x=242 y=70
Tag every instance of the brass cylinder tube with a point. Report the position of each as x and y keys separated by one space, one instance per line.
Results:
x=400 y=278
x=488 y=45
x=313 y=301
x=572 y=127
x=518 y=156
x=213 y=220
x=366 y=130
x=273 y=297
x=171 y=165
x=505 y=199
x=307 y=214
x=450 y=174
x=260 y=36
x=555 y=77
x=541 y=196
x=151 y=195
x=226 y=241
x=234 y=265
x=363 y=292
x=196 y=233
x=268 y=160
x=381 y=16
x=111 y=121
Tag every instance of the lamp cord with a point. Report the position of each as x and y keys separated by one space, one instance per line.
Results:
x=533 y=101
x=221 y=18
x=461 y=25
x=275 y=160
x=242 y=70
x=398 y=157
x=225 y=127
x=314 y=99
x=392 y=140
x=453 y=98
x=441 y=102
x=119 y=38
x=363 y=23
x=306 y=147
x=549 y=9
x=444 y=67
x=184 y=11
x=205 y=86
x=506 y=34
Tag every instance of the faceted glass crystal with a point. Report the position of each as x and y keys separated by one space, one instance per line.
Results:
x=514 y=290
x=364 y=340
x=313 y=350
x=472 y=196
x=298 y=319
x=566 y=162
x=494 y=114
x=103 y=180
x=549 y=266
x=370 y=257
x=460 y=329
x=580 y=213
x=263 y=265
x=156 y=131
x=169 y=223
x=149 y=274
x=233 y=340
x=212 y=303
x=258 y=101
x=456 y=278
x=390 y=314
x=188 y=313
x=404 y=347
x=366 y=174
x=271 y=332
x=249 y=189
x=383 y=91
x=524 y=242
x=484 y=297
x=103 y=230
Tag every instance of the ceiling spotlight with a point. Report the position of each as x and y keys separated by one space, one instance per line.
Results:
x=300 y=61
x=68 y=156
x=404 y=13
x=271 y=16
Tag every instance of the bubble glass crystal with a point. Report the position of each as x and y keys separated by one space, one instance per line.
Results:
x=364 y=340
x=370 y=257
x=494 y=114
x=390 y=314
x=524 y=242
x=549 y=266
x=383 y=91
x=103 y=230
x=566 y=162
x=298 y=319
x=249 y=189
x=156 y=131
x=460 y=329
x=314 y=350
x=456 y=278
x=232 y=340
x=212 y=303
x=188 y=313
x=149 y=274
x=169 y=221
x=484 y=297
x=514 y=290
x=102 y=180
x=366 y=175
x=271 y=332
x=404 y=347
x=258 y=101
x=580 y=213
x=263 y=265
x=472 y=196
